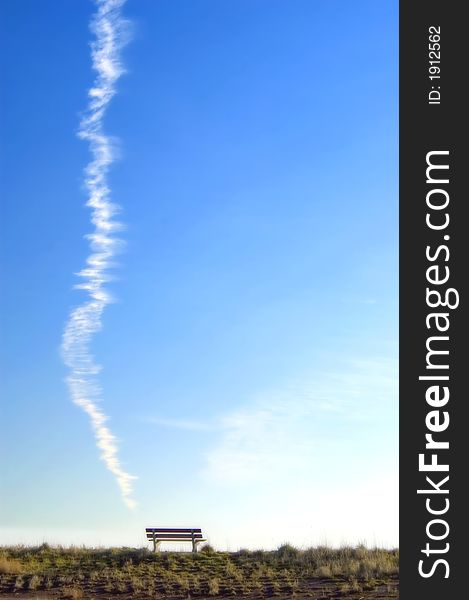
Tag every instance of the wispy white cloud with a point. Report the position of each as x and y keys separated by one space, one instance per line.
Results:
x=293 y=430
x=110 y=34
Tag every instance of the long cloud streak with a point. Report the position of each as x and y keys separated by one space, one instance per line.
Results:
x=85 y=320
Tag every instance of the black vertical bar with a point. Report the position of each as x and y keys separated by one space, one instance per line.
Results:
x=433 y=118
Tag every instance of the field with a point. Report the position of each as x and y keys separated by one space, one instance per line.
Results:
x=122 y=573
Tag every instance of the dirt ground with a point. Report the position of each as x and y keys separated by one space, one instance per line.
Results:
x=315 y=590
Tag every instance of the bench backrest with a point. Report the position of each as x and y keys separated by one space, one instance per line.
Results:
x=165 y=533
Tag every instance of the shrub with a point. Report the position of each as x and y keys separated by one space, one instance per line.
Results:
x=231 y=570
x=213 y=586
x=48 y=582
x=208 y=549
x=287 y=553
x=72 y=593
x=19 y=582
x=323 y=571
x=34 y=582
x=9 y=566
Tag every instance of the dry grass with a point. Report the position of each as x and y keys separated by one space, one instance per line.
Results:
x=72 y=593
x=76 y=573
x=9 y=566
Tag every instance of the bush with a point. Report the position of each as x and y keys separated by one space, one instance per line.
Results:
x=72 y=593
x=35 y=582
x=9 y=566
x=208 y=549
x=287 y=552
x=213 y=586
x=323 y=571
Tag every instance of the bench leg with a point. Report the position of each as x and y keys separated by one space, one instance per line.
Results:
x=156 y=544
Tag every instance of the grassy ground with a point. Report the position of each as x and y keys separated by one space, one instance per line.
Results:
x=122 y=573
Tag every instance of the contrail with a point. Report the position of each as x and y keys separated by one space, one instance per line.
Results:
x=85 y=320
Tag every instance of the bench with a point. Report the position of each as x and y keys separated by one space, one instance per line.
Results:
x=163 y=534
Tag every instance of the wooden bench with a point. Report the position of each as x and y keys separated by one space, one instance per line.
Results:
x=163 y=534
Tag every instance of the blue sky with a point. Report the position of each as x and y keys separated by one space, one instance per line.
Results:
x=250 y=356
